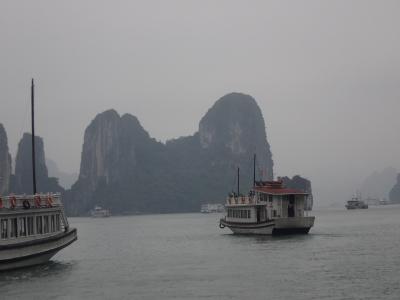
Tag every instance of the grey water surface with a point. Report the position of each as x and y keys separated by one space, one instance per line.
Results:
x=347 y=255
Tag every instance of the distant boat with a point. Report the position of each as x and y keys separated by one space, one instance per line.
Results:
x=356 y=203
x=383 y=202
x=270 y=208
x=99 y=212
x=33 y=228
x=212 y=208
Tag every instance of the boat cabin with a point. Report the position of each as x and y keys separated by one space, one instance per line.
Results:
x=24 y=218
x=268 y=200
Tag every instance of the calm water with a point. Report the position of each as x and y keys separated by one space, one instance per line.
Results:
x=347 y=255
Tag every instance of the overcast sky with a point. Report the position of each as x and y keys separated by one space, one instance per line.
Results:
x=326 y=75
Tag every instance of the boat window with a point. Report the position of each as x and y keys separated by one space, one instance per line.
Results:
x=4 y=228
x=39 y=228
x=22 y=226
x=274 y=213
x=29 y=223
x=270 y=198
x=14 y=227
x=52 y=223
x=45 y=224
x=58 y=224
x=249 y=214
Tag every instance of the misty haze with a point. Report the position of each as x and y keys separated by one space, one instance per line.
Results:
x=200 y=149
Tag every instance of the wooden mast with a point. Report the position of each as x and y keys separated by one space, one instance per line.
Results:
x=238 y=181
x=254 y=170
x=33 y=135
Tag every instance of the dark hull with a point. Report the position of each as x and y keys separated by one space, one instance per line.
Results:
x=287 y=231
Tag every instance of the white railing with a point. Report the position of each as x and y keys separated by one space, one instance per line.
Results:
x=30 y=201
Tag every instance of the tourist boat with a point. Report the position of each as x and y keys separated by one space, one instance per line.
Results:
x=356 y=203
x=33 y=228
x=269 y=209
x=383 y=202
x=212 y=208
x=99 y=212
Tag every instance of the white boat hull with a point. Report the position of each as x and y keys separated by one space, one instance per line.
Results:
x=34 y=252
x=296 y=225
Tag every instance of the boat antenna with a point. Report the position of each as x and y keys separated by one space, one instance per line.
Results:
x=254 y=170
x=33 y=135
x=238 y=181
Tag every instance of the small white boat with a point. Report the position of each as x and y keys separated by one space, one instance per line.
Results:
x=270 y=208
x=99 y=212
x=212 y=208
x=356 y=203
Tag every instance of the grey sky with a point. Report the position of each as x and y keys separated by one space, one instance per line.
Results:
x=326 y=75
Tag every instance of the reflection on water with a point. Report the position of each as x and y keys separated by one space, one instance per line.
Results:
x=51 y=268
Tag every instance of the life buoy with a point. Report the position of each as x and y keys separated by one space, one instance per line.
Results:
x=49 y=201
x=26 y=204
x=38 y=201
x=13 y=202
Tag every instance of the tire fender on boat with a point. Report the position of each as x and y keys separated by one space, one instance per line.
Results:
x=26 y=204
x=49 y=201
x=13 y=201
x=37 y=200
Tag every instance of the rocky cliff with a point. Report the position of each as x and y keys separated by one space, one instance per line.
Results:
x=121 y=167
x=5 y=162
x=234 y=126
x=125 y=170
x=394 y=195
x=23 y=168
x=66 y=180
x=300 y=183
x=378 y=184
x=229 y=134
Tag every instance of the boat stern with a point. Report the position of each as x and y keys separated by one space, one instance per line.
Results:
x=296 y=225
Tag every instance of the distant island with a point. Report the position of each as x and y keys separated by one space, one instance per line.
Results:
x=394 y=195
x=126 y=171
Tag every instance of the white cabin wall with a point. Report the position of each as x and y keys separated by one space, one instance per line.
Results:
x=276 y=205
x=299 y=205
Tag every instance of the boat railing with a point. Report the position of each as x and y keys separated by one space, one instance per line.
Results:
x=30 y=201
x=244 y=200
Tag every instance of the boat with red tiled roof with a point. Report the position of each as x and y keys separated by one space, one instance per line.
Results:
x=269 y=208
